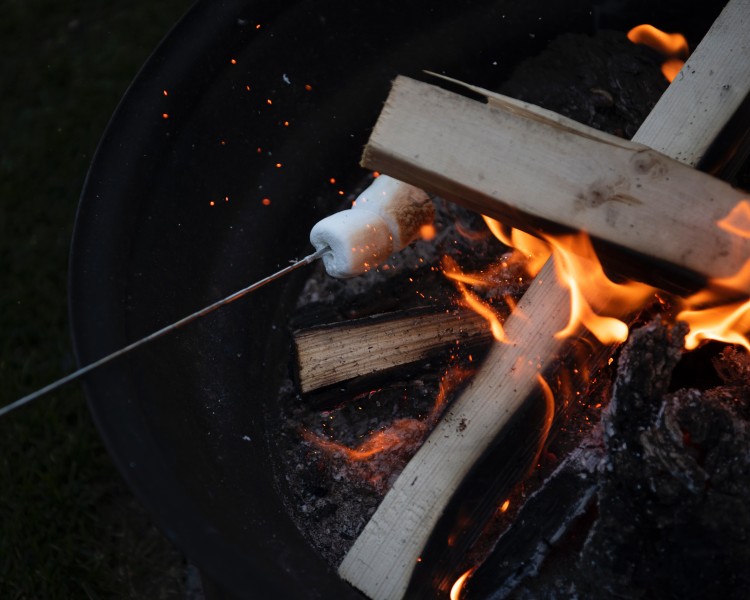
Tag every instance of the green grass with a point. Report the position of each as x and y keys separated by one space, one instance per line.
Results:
x=68 y=526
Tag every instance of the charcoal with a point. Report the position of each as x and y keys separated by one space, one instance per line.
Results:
x=671 y=518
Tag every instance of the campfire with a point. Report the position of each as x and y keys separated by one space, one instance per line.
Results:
x=489 y=411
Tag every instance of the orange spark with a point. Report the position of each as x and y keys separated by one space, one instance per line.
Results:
x=427 y=232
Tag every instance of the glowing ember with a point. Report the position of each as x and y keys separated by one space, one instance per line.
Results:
x=504 y=506
x=673 y=46
x=427 y=232
x=458 y=586
x=383 y=453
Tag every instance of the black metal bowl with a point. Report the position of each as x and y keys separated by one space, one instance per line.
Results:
x=245 y=101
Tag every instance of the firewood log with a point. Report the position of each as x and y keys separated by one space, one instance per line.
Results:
x=383 y=558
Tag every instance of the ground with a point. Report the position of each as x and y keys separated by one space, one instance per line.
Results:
x=69 y=528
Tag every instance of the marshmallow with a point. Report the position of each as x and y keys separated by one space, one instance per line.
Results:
x=404 y=207
x=384 y=219
x=359 y=240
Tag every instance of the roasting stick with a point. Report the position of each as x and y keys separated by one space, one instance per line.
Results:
x=161 y=332
x=385 y=219
x=692 y=112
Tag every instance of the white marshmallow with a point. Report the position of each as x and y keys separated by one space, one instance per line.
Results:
x=385 y=218
x=359 y=240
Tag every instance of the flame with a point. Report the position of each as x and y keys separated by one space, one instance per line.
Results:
x=459 y=584
x=549 y=413
x=505 y=506
x=673 y=46
x=713 y=315
x=725 y=323
x=710 y=315
x=671 y=67
x=592 y=292
x=472 y=301
x=530 y=249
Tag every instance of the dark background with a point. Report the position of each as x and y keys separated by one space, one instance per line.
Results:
x=69 y=528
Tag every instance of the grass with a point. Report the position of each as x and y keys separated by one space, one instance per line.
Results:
x=68 y=526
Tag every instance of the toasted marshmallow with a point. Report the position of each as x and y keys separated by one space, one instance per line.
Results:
x=404 y=207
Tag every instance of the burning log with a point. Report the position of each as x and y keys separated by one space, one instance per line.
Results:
x=383 y=558
x=332 y=353
x=564 y=176
x=670 y=472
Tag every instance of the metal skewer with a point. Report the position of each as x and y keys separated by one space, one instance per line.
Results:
x=163 y=331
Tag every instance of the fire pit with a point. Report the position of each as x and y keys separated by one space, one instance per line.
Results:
x=238 y=134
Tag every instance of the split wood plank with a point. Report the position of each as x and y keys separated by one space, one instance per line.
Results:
x=332 y=353
x=531 y=169
x=382 y=559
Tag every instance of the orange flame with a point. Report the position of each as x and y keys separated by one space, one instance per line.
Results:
x=671 y=67
x=549 y=413
x=711 y=314
x=472 y=301
x=592 y=292
x=673 y=46
x=459 y=584
x=531 y=250
x=725 y=323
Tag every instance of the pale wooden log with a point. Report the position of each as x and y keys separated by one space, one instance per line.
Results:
x=330 y=354
x=707 y=91
x=382 y=559
x=530 y=168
